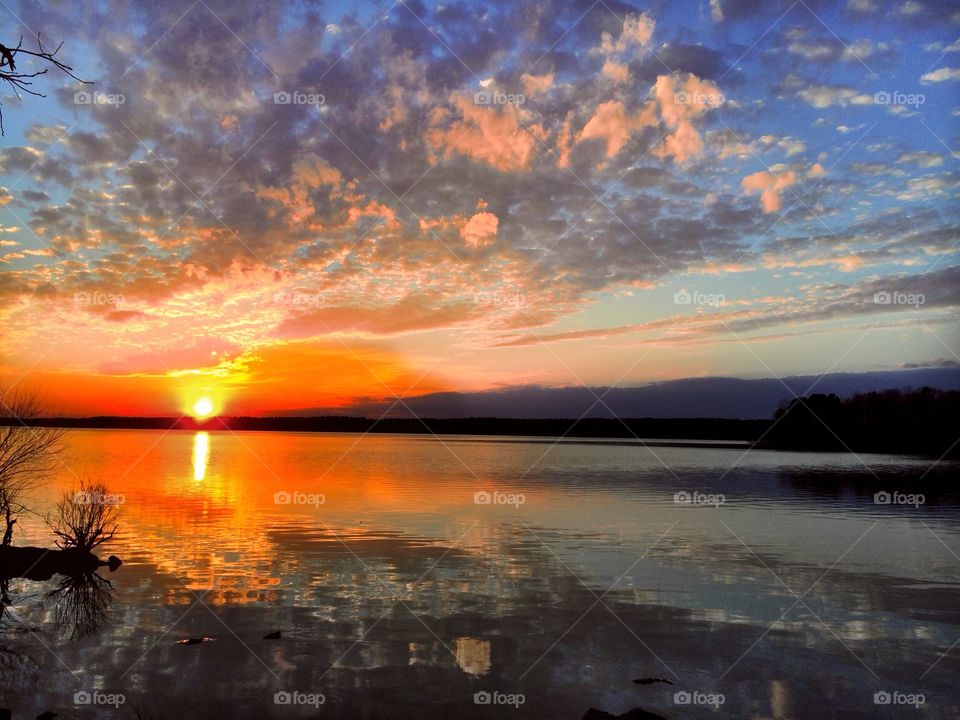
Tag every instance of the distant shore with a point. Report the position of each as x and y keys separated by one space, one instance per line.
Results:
x=923 y=422
x=710 y=432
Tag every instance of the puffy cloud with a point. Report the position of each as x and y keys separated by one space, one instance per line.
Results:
x=497 y=136
x=923 y=159
x=716 y=11
x=769 y=185
x=681 y=99
x=480 y=229
x=941 y=75
x=534 y=85
x=617 y=72
x=612 y=124
x=634 y=37
x=822 y=96
x=308 y=174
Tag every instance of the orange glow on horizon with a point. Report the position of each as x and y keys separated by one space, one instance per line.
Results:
x=272 y=379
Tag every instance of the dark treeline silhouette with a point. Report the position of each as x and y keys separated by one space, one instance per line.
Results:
x=678 y=428
x=924 y=421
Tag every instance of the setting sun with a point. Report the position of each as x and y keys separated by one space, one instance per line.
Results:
x=202 y=408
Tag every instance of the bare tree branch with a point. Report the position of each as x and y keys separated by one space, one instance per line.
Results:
x=27 y=454
x=22 y=81
x=86 y=518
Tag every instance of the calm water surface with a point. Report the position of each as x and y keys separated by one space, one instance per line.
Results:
x=407 y=574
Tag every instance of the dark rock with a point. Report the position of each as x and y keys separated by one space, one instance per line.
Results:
x=634 y=714
x=194 y=641
x=651 y=680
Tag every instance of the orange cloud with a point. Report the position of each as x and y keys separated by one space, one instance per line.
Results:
x=494 y=135
x=635 y=36
x=309 y=173
x=615 y=71
x=681 y=99
x=534 y=85
x=769 y=185
x=612 y=124
x=480 y=229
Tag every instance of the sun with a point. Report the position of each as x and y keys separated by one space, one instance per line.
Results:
x=203 y=408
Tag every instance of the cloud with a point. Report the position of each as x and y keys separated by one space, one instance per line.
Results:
x=416 y=312
x=676 y=101
x=822 y=96
x=613 y=124
x=681 y=98
x=634 y=37
x=480 y=229
x=769 y=185
x=941 y=75
x=497 y=136
x=534 y=85
x=922 y=159
x=716 y=11
x=617 y=72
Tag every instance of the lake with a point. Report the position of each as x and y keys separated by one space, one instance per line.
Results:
x=479 y=577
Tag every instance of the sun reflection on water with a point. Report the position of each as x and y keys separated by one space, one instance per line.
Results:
x=201 y=455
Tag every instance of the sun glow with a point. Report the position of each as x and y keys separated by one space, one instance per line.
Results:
x=203 y=408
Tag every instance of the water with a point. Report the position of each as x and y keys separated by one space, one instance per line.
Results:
x=781 y=590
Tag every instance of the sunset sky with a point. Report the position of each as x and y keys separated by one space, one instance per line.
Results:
x=283 y=206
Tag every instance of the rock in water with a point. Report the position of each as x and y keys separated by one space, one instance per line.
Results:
x=651 y=680
x=634 y=714
x=194 y=641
